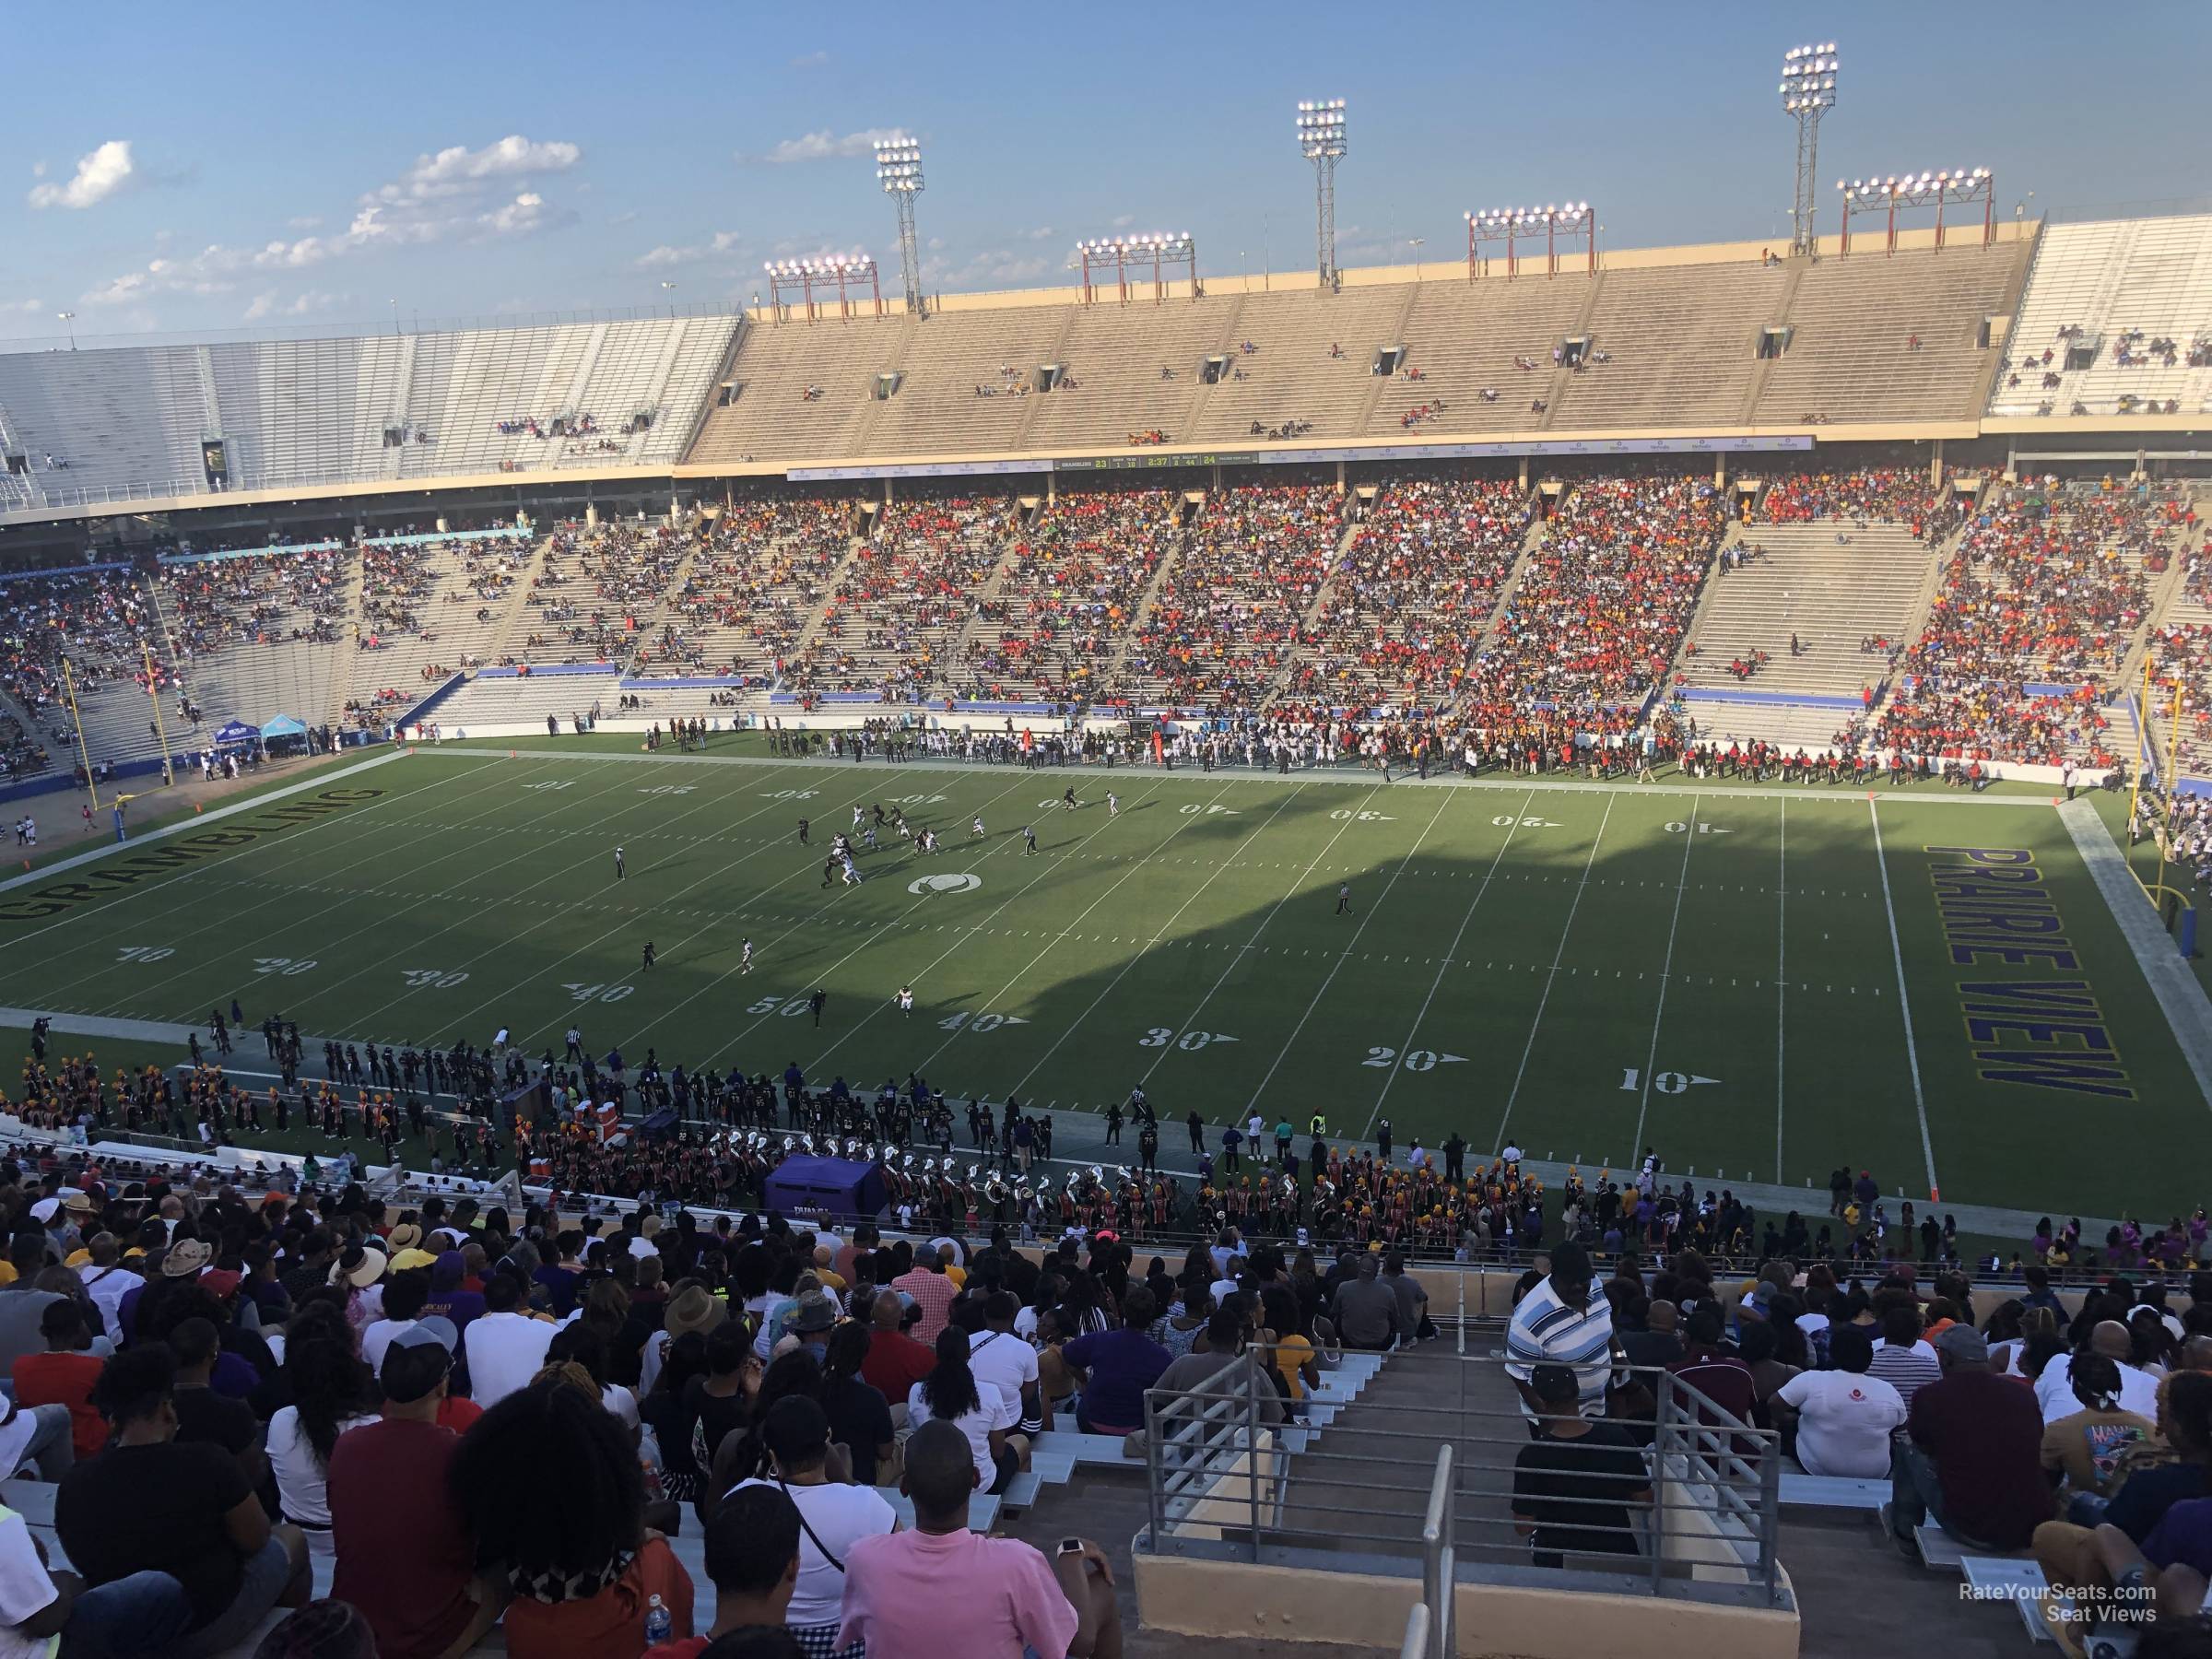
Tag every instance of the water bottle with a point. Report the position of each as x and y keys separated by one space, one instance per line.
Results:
x=659 y=1625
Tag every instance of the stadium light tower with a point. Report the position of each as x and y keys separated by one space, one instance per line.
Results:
x=1808 y=92
x=899 y=171
x=1321 y=139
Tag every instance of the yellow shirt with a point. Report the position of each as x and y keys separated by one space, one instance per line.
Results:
x=1291 y=1352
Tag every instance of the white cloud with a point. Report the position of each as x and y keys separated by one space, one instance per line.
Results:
x=27 y=307
x=457 y=194
x=453 y=170
x=38 y=170
x=99 y=174
x=811 y=60
x=1122 y=221
x=306 y=304
x=825 y=146
x=1041 y=233
x=305 y=221
x=668 y=255
x=991 y=265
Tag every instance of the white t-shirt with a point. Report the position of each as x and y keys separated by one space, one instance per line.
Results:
x=1004 y=1363
x=840 y=1516
x=377 y=1338
x=300 y=1480
x=993 y=1412
x=2054 y=1391
x=621 y=1405
x=1843 y=1422
x=505 y=1350
x=25 y=1590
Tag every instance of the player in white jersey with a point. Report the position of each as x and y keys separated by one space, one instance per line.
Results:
x=867 y=834
x=1114 y=805
x=975 y=828
x=906 y=999
x=745 y=962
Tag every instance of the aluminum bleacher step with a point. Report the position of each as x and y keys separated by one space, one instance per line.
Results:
x=1833 y=1491
x=2017 y=1581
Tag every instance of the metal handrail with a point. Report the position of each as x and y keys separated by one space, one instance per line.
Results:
x=1714 y=1502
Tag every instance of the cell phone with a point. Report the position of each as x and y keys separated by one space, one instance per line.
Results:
x=1071 y=1547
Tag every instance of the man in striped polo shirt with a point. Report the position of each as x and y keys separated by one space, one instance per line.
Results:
x=1560 y=1323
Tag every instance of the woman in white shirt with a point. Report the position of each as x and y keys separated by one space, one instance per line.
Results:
x=330 y=1394
x=832 y=1517
x=982 y=1414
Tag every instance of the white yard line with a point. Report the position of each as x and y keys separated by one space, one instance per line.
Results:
x=1236 y=956
x=1166 y=928
x=1183 y=822
x=198 y=821
x=1344 y=955
x=1443 y=967
x=454 y=850
x=967 y=935
x=1537 y=1023
x=1781 y=973
x=1666 y=972
x=456 y=1022
x=1904 y=1001
x=883 y=930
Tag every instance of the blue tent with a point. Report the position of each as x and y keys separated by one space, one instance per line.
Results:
x=284 y=725
x=237 y=730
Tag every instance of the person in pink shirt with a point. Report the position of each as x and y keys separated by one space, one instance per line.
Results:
x=941 y=1589
x=932 y=1292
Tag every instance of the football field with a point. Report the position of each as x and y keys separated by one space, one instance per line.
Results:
x=1761 y=982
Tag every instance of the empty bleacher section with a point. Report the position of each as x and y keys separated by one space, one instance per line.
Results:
x=799 y=389
x=1219 y=628
x=2037 y=610
x=968 y=380
x=1289 y=380
x=1056 y=626
x=122 y=422
x=1891 y=338
x=1814 y=599
x=501 y=698
x=1411 y=597
x=2130 y=301
x=1466 y=341
x=1669 y=346
x=1136 y=369
x=906 y=596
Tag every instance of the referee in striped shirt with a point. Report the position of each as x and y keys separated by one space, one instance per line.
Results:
x=1559 y=1321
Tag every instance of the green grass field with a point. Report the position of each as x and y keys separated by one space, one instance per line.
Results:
x=1582 y=970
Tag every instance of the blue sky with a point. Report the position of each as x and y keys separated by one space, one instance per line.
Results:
x=182 y=169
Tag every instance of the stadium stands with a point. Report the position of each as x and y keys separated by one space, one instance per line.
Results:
x=1411 y=595
x=1056 y=626
x=1466 y=343
x=117 y=422
x=758 y=581
x=1676 y=345
x=1602 y=603
x=1220 y=627
x=2037 y=611
x=1895 y=339
x=1816 y=596
x=2117 y=320
x=906 y=596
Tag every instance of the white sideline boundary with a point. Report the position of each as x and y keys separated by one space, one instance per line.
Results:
x=199 y=820
x=1904 y=1001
